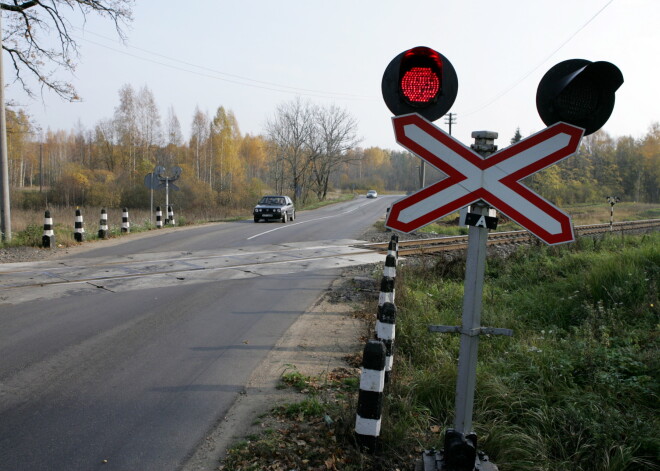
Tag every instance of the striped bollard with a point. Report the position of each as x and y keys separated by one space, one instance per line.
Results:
x=386 y=291
x=48 y=239
x=170 y=216
x=159 y=218
x=103 y=225
x=370 y=398
x=78 y=229
x=390 y=266
x=385 y=332
x=125 y=225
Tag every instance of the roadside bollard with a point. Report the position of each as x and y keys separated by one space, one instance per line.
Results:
x=370 y=398
x=385 y=332
x=390 y=266
x=386 y=291
x=48 y=239
x=125 y=225
x=170 y=216
x=78 y=229
x=103 y=225
x=159 y=218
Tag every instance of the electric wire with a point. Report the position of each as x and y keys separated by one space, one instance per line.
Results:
x=520 y=80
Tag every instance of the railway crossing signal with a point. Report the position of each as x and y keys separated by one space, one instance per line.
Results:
x=495 y=180
x=420 y=80
x=578 y=92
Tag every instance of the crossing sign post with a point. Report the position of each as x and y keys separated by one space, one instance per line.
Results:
x=494 y=180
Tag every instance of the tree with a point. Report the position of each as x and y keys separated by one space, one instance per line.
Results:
x=336 y=132
x=517 y=137
x=26 y=32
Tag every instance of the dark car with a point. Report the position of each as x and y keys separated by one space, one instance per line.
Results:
x=274 y=208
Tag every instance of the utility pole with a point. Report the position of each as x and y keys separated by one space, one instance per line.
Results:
x=450 y=118
x=5 y=213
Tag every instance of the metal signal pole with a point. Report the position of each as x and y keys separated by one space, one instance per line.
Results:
x=5 y=216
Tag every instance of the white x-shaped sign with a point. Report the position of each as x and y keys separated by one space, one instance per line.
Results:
x=495 y=180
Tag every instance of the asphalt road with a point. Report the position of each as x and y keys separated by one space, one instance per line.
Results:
x=133 y=377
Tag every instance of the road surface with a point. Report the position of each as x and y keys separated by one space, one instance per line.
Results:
x=124 y=356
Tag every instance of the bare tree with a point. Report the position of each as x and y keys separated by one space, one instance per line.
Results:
x=291 y=132
x=27 y=37
x=334 y=136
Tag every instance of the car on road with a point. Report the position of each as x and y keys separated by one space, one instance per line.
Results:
x=274 y=208
x=372 y=194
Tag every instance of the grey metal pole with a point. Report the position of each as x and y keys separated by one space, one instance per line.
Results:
x=5 y=217
x=472 y=298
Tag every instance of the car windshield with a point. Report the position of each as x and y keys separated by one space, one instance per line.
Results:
x=272 y=200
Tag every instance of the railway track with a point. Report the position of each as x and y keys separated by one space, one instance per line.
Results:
x=451 y=243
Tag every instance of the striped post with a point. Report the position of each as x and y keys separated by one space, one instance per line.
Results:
x=390 y=266
x=159 y=218
x=78 y=229
x=125 y=225
x=370 y=398
x=48 y=239
x=386 y=291
x=385 y=332
x=393 y=246
x=170 y=216
x=103 y=225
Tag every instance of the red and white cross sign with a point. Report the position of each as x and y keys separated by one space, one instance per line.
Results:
x=495 y=180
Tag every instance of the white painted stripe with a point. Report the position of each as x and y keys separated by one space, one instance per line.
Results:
x=372 y=380
x=384 y=297
x=370 y=427
x=389 y=361
x=389 y=272
x=385 y=331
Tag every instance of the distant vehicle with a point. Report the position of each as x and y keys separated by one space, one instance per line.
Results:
x=372 y=194
x=274 y=208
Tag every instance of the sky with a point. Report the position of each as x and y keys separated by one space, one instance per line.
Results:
x=250 y=56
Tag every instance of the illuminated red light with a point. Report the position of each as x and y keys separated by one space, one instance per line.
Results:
x=420 y=84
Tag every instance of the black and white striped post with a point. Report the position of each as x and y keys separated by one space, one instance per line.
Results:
x=170 y=216
x=78 y=229
x=370 y=398
x=393 y=246
x=390 y=266
x=385 y=332
x=386 y=291
x=125 y=225
x=103 y=224
x=159 y=218
x=48 y=238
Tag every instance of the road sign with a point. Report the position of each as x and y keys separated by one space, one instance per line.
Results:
x=495 y=180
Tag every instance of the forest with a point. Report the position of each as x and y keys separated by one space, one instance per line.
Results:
x=305 y=151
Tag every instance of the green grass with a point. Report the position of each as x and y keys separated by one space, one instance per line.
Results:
x=575 y=388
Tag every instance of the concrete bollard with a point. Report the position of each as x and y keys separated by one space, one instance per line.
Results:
x=170 y=216
x=48 y=238
x=386 y=291
x=103 y=225
x=78 y=229
x=385 y=332
x=125 y=225
x=370 y=398
x=390 y=266
x=159 y=218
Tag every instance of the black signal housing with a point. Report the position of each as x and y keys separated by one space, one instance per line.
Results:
x=578 y=92
x=420 y=80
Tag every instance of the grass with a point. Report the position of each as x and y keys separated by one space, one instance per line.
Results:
x=576 y=387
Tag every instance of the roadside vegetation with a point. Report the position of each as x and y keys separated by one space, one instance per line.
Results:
x=576 y=387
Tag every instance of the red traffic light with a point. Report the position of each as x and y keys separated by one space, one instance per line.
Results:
x=420 y=80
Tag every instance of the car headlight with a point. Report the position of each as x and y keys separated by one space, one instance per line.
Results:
x=277 y=210
x=257 y=210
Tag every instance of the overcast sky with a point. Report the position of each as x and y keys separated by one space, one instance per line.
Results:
x=251 y=55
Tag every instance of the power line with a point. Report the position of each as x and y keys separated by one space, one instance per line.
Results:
x=218 y=75
x=519 y=81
